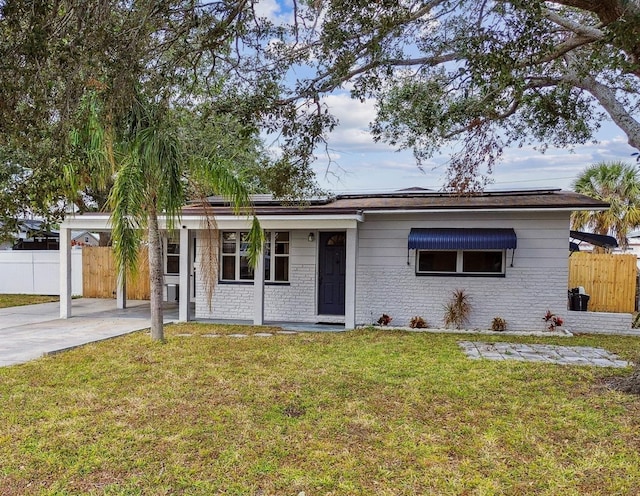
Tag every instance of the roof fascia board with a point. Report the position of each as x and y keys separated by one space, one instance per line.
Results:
x=458 y=210
x=334 y=221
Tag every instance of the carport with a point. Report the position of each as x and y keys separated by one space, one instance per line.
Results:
x=100 y=222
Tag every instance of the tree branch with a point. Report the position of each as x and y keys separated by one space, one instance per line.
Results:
x=579 y=29
x=607 y=98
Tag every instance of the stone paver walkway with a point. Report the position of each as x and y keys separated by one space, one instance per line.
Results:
x=239 y=335
x=563 y=355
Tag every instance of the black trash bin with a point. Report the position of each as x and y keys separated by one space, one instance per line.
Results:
x=581 y=302
x=573 y=293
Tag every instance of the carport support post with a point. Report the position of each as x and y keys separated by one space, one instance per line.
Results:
x=258 y=291
x=350 y=279
x=65 y=273
x=184 y=308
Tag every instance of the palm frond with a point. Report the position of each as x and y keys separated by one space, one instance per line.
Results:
x=221 y=179
x=128 y=218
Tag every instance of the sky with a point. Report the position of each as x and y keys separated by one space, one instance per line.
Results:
x=355 y=163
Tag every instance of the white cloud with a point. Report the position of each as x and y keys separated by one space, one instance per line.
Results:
x=278 y=12
x=359 y=169
x=352 y=133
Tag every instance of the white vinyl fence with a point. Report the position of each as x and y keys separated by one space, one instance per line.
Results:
x=37 y=272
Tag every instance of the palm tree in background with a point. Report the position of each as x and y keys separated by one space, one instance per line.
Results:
x=618 y=184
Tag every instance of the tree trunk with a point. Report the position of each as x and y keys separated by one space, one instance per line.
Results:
x=156 y=277
x=105 y=239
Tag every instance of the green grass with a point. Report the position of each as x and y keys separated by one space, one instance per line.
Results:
x=369 y=412
x=16 y=300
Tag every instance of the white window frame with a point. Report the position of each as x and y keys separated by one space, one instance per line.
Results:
x=270 y=238
x=273 y=256
x=170 y=241
x=460 y=265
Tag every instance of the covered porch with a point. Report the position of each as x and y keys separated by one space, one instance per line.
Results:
x=313 y=228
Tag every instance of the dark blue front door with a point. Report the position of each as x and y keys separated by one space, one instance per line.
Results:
x=331 y=273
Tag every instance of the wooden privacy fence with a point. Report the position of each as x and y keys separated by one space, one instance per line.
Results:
x=608 y=279
x=99 y=274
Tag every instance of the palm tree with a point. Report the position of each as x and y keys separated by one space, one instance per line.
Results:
x=154 y=169
x=618 y=184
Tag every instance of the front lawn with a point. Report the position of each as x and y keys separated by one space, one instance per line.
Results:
x=16 y=300
x=357 y=413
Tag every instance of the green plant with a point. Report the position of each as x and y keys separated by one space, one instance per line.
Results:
x=384 y=319
x=498 y=324
x=636 y=321
x=552 y=320
x=457 y=310
x=418 y=322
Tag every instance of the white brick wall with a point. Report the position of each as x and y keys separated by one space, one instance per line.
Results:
x=536 y=282
x=600 y=322
x=230 y=301
x=295 y=301
x=522 y=297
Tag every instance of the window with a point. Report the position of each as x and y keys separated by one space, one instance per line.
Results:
x=235 y=264
x=173 y=258
x=276 y=261
x=437 y=261
x=470 y=262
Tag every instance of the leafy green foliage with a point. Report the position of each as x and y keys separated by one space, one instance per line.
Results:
x=483 y=75
x=61 y=59
x=154 y=160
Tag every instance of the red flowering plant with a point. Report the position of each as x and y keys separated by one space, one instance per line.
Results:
x=552 y=321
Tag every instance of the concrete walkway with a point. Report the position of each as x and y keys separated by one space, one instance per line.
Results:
x=31 y=331
x=562 y=355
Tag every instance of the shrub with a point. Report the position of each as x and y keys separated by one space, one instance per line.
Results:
x=552 y=320
x=457 y=310
x=418 y=322
x=498 y=324
x=385 y=319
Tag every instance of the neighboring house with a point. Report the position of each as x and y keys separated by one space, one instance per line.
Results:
x=354 y=257
x=80 y=239
x=634 y=244
x=32 y=234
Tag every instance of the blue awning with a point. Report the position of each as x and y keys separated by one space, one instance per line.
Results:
x=462 y=239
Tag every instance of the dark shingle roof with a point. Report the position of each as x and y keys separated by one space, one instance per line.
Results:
x=552 y=199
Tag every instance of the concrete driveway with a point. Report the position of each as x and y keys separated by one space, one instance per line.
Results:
x=31 y=331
